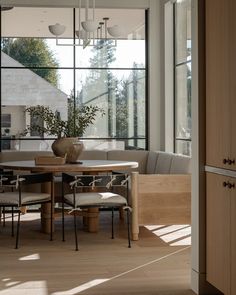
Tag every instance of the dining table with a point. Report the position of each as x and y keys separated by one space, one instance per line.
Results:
x=84 y=167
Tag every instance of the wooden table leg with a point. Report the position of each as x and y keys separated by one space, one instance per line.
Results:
x=46 y=210
x=90 y=219
x=93 y=220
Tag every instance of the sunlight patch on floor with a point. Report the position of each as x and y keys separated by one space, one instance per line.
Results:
x=35 y=256
x=82 y=288
x=174 y=235
x=24 y=217
x=31 y=287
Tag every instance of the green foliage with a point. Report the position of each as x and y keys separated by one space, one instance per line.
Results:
x=33 y=52
x=78 y=120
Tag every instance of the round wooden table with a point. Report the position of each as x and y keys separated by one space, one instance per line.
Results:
x=86 y=167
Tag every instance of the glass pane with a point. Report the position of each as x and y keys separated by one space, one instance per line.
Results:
x=36 y=52
x=22 y=88
x=183 y=30
x=121 y=94
x=134 y=144
x=114 y=144
x=183 y=101
x=106 y=55
x=104 y=144
x=38 y=85
x=25 y=143
x=183 y=147
x=109 y=52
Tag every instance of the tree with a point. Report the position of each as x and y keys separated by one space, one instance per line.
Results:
x=33 y=52
x=100 y=83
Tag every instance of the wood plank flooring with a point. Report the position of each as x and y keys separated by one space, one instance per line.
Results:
x=102 y=266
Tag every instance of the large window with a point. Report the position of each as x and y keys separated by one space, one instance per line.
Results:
x=182 y=76
x=37 y=69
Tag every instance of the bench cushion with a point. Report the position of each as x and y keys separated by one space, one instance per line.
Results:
x=163 y=163
x=93 y=155
x=22 y=155
x=130 y=155
x=151 y=162
x=180 y=164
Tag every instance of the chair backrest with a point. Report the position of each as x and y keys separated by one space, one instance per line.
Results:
x=6 y=172
x=16 y=181
x=92 y=181
x=37 y=178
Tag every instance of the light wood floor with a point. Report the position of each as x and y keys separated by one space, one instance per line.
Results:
x=102 y=266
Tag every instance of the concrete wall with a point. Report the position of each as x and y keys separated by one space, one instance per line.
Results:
x=22 y=87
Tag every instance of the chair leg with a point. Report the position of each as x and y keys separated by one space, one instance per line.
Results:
x=51 y=222
x=112 y=222
x=4 y=216
x=12 y=221
x=76 y=239
x=128 y=226
x=18 y=230
x=63 y=221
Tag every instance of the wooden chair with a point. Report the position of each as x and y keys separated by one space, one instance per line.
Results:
x=17 y=197
x=95 y=191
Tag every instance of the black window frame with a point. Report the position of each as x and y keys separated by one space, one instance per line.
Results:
x=74 y=68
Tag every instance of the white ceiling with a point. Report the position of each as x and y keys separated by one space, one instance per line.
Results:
x=33 y=22
x=143 y=4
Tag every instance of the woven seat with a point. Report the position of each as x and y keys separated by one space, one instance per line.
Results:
x=16 y=197
x=27 y=198
x=96 y=199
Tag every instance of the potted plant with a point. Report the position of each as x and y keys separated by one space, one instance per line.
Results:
x=67 y=131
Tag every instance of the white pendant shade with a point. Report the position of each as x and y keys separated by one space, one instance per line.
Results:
x=114 y=31
x=89 y=25
x=57 y=29
x=81 y=34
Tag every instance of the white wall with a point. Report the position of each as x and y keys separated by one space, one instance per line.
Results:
x=169 y=78
x=156 y=79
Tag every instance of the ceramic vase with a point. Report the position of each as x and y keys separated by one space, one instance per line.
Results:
x=68 y=147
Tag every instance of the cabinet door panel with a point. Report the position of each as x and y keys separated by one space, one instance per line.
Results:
x=217 y=82
x=232 y=56
x=218 y=232
x=233 y=240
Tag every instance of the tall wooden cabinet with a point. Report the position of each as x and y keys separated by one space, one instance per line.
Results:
x=221 y=144
x=221 y=83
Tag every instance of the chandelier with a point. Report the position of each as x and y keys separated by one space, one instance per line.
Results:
x=89 y=31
